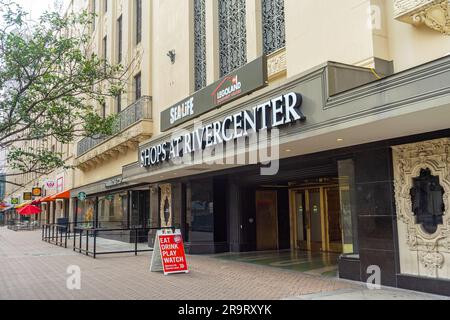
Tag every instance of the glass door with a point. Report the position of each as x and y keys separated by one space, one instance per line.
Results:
x=308 y=217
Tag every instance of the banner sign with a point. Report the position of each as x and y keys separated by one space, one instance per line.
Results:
x=168 y=253
x=241 y=82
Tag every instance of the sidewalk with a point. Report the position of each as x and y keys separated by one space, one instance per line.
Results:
x=32 y=269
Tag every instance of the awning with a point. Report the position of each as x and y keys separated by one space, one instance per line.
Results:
x=29 y=210
x=62 y=195
x=23 y=205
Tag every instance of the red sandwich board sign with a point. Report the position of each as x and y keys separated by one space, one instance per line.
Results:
x=168 y=254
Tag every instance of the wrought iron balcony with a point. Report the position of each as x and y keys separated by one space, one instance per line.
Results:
x=138 y=111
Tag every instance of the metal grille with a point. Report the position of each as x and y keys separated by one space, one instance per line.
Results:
x=200 y=44
x=273 y=25
x=140 y=110
x=233 y=35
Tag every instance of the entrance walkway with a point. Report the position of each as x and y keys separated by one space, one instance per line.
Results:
x=31 y=269
x=323 y=264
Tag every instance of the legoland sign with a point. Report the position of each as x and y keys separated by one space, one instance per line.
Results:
x=243 y=81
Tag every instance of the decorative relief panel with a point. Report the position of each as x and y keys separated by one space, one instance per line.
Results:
x=424 y=251
x=166 y=206
x=435 y=14
x=276 y=64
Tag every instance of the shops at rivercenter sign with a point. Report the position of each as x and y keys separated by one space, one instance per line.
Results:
x=241 y=82
x=279 y=111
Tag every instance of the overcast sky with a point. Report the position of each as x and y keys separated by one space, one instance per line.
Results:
x=36 y=7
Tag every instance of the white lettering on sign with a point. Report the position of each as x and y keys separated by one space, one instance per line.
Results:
x=181 y=111
x=279 y=111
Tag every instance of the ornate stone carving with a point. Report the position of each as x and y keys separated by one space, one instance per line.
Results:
x=435 y=14
x=431 y=261
x=276 y=64
x=429 y=249
x=166 y=206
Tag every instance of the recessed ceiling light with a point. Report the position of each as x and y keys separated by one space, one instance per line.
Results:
x=340 y=140
x=288 y=150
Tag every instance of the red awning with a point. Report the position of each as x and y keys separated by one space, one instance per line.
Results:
x=47 y=199
x=62 y=195
x=29 y=210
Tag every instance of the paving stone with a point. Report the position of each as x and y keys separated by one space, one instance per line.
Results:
x=35 y=270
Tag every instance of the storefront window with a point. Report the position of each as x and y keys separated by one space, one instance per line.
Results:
x=111 y=211
x=86 y=213
x=348 y=212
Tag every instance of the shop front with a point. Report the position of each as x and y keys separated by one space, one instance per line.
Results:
x=328 y=162
x=112 y=205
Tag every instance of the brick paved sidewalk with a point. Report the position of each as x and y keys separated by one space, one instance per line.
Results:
x=32 y=269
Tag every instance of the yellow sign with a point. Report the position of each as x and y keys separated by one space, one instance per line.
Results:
x=37 y=192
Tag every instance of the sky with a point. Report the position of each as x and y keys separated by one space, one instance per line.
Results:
x=37 y=7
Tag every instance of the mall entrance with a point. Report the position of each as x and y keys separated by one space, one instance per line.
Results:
x=316 y=218
x=313 y=211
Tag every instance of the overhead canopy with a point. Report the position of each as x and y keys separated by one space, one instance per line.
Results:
x=23 y=205
x=62 y=195
x=29 y=210
x=47 y=199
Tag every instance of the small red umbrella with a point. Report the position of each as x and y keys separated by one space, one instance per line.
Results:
x=29 y=210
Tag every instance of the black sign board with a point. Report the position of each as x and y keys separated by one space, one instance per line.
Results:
x=241 y=82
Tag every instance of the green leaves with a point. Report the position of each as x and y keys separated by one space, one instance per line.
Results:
x=51 y=84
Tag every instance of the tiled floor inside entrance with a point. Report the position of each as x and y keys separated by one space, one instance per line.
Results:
x=314 y=263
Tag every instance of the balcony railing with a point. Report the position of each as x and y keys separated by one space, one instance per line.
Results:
x=140 y=110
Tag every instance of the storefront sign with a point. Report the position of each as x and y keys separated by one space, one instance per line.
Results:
x=37 y=192
x=243 y=81
x=168 y=255
x=280 y=111
x=27 y=196
x=50 y=184
x=15 y=201
x=60 y=185
x=114 y=182
x=82 y=196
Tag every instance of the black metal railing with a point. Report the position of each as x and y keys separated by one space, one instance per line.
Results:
x=91 y=241
x=139 y=110
x=98 y=241
x=23 y=226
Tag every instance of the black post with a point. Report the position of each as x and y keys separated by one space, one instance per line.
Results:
x=65 y=241
x=135 y=241
x=74 y=239
x=95 y=243
x=81 y=239
x=87 y=242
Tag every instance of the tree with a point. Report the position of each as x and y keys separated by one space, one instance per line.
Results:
x=50 y=82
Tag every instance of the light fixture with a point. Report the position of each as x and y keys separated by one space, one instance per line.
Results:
x=172 y=55
x=340 y=140
x=288 y=150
